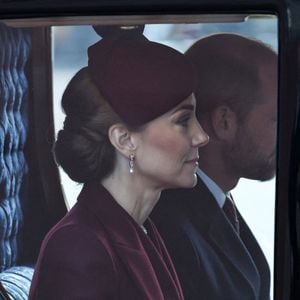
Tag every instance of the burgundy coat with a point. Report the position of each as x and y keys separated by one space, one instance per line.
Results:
x=97 y=251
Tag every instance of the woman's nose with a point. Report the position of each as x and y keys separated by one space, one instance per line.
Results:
x=200 y=138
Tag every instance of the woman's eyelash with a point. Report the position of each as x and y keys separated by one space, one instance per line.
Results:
x=183 y=120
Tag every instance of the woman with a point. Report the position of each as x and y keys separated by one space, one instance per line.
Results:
x=130 y=132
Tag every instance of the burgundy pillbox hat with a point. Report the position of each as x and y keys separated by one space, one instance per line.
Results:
x=140 y=79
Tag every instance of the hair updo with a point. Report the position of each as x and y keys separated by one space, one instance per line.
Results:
x=140 y=80
x=82 y=147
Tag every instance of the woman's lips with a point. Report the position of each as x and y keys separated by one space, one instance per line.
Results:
x=192 y=161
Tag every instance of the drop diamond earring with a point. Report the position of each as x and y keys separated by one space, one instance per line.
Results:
x=131 y=163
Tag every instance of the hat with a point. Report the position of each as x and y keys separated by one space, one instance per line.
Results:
x=140 y=79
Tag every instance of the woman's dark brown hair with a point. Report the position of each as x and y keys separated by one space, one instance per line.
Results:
x=139 y=79
x=83 y=148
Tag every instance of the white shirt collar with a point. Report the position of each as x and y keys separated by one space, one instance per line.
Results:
x=217 y=192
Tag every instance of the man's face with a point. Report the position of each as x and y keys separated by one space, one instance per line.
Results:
x=252 y=154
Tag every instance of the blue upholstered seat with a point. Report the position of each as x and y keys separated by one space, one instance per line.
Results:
x=14 y=53
x=16 y=281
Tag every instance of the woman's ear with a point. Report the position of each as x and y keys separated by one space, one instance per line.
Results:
x=224 y=122
x=121 y=138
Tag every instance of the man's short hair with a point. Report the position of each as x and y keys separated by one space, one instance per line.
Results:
x=227 y=68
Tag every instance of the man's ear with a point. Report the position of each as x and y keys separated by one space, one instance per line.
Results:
x=224 y=122
x=121 y=139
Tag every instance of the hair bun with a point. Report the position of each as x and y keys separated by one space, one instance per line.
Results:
x=115 y=32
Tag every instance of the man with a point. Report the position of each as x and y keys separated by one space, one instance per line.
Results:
x=215 y=254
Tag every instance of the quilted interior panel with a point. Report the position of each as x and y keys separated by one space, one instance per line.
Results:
x=14 y=53
x=16 y=282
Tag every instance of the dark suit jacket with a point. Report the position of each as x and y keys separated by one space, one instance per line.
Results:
x=99 y=252
x=211 y=260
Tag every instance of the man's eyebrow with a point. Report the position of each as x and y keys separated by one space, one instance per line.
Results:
x=184 y=107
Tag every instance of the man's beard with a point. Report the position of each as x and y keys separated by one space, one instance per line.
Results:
x=245 y=159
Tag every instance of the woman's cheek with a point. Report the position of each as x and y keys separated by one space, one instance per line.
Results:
x=167 y=142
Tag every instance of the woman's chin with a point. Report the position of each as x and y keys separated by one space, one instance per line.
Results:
x=192 y=182
x=187 y=182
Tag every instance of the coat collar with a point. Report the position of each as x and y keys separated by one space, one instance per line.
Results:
x=122 y=227
x=144 y=256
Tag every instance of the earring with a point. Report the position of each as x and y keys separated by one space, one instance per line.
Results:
x=131 y=163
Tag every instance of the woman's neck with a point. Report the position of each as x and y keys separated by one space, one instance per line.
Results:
x=132 y=195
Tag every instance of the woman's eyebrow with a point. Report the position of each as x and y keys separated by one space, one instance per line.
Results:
x=184 y=107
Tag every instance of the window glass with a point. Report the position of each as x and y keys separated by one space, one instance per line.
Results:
x=255 y=200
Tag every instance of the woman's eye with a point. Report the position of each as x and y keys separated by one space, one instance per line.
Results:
x=184 y=121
